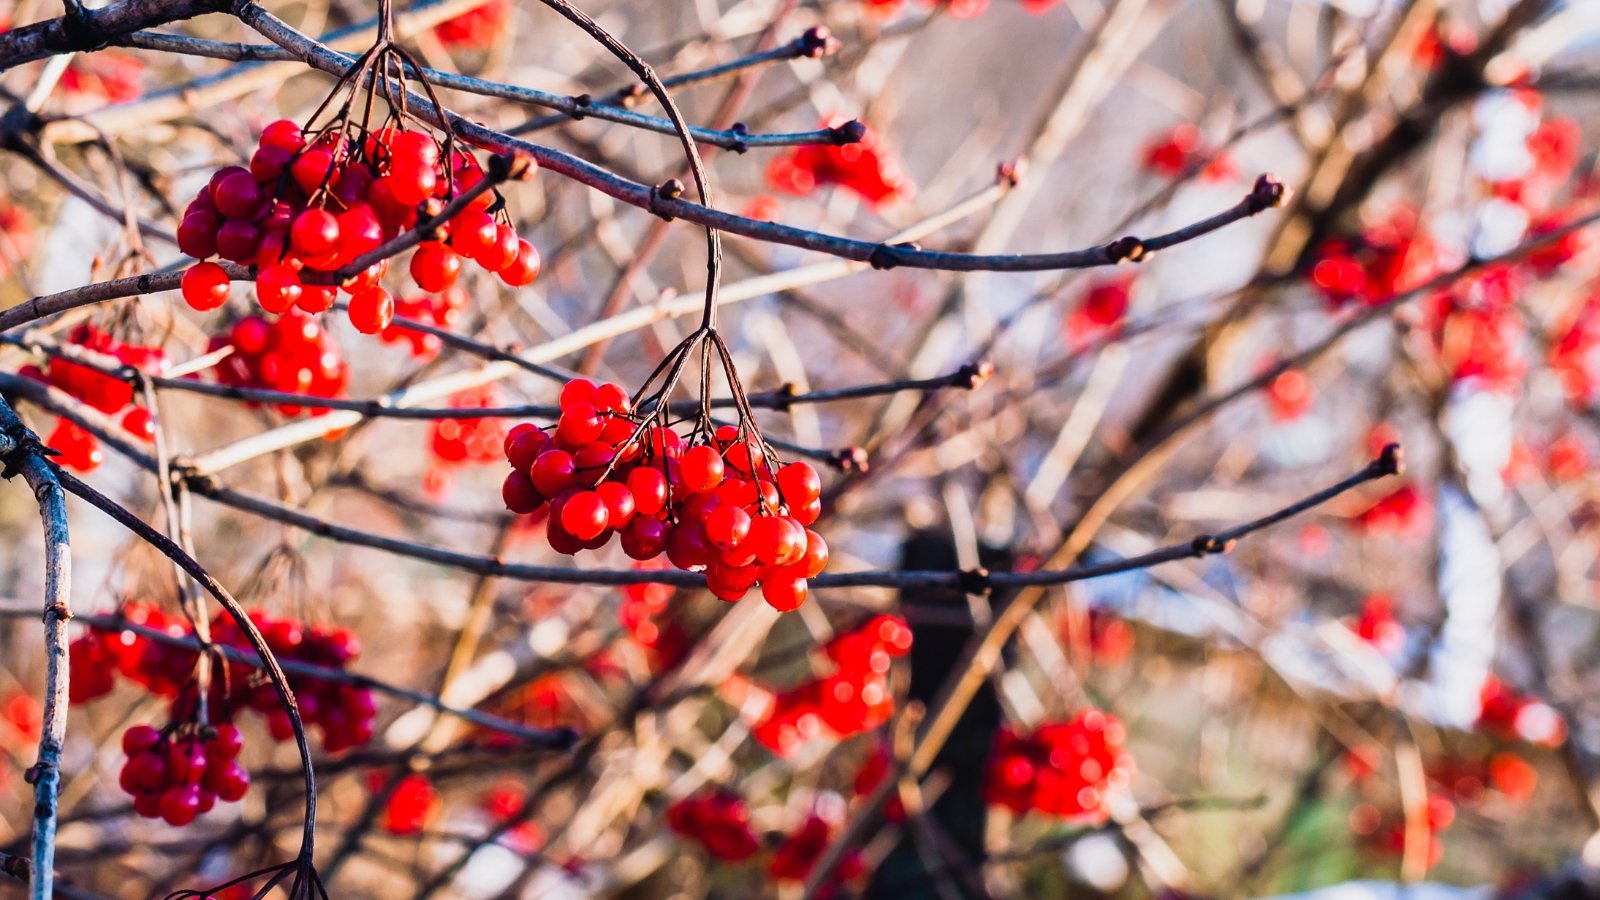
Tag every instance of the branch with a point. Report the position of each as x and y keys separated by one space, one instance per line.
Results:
x=22 y=453
x=572 y=108
x=550 y=738
x=972 y=580
x=1267 y=193
x=92 y=29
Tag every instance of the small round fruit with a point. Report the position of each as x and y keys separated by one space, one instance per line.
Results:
x=205 y=286
x=584 y=515
x=702 y=468
x=371 y=310
x=784 y=594
x=435 y=267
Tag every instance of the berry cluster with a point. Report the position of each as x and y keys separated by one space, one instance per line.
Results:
x=798 y=854
x=1099 y=313
x=865 y=168
x=957 y=9
x=292 y=353
x=345 y=712
x=177 y=776
x=852 y=699
x=16 y=237
x=715 y=504
x=314 y=203
x=719 y=822
x=1289 y=396
x=1172 y=154
x=104 y=77
x=874 y=768
x=412 y=802
x=505 y=800
x=77 y=447
x=475 y=29
x=1509 y=714
x=1404 y=512
x=1064 y=769
x=1391 y=255
x=641 y=604
x=443 y=309
x=453 y=443
x=1377 y=625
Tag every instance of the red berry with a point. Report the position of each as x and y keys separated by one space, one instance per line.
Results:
x=524 y=444
x=314 y=232
x=524 y=268
x=283 y=134
x=140 y=423
x=578 y=390
x=226 y=743
x=644 y=538
x=138 y=739
x=316 y=298
x=799 y=483
x=784 y=594
x=435 y=267
x=649 y=488
x=519 y=494
x=473 y=232
x=727 y=526
x=197 y=234
x=229 y=781
x=777 y=540
x=371 y=310
x=584 y=515
x=552 y=471
x=313 y=169
x=702 y=468
x=277 y=288
x=238 y=240
x=238 y=196
x=180 y=804
x=205 y=286
x=619 y=502
x=579 y=425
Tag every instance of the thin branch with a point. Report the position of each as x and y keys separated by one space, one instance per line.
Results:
x=1267 y=193
x=22 y=453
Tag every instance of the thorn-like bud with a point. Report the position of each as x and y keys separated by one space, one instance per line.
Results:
x=852 y=459
x=1268 y=193
x=816 y=43
x=1010 y=172
x=971 y=375
x=1391 y=460
x=850 y=132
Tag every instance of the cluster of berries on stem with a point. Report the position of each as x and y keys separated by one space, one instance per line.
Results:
x=1063 y=769
x=315 y=203
x=717 y=500
x=854 y=698
x=76 y=447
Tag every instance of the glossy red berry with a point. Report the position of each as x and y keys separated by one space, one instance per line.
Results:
x=649 y=488
x=584 y=515
x=702 y=468
x=205 y=286
x=784 y=594
x=314 y=232
x=435 y=267
x=371 y=310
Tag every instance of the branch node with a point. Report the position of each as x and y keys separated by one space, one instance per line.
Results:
x=975 y=582
x=516 y=166
x=671 y=189
x=852 y=459
x=581 y=102
x=783 y=397
x=1125 y=249
x=882 y=256
x=1009 y=173
x=972 y=375
x=1205 y=545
